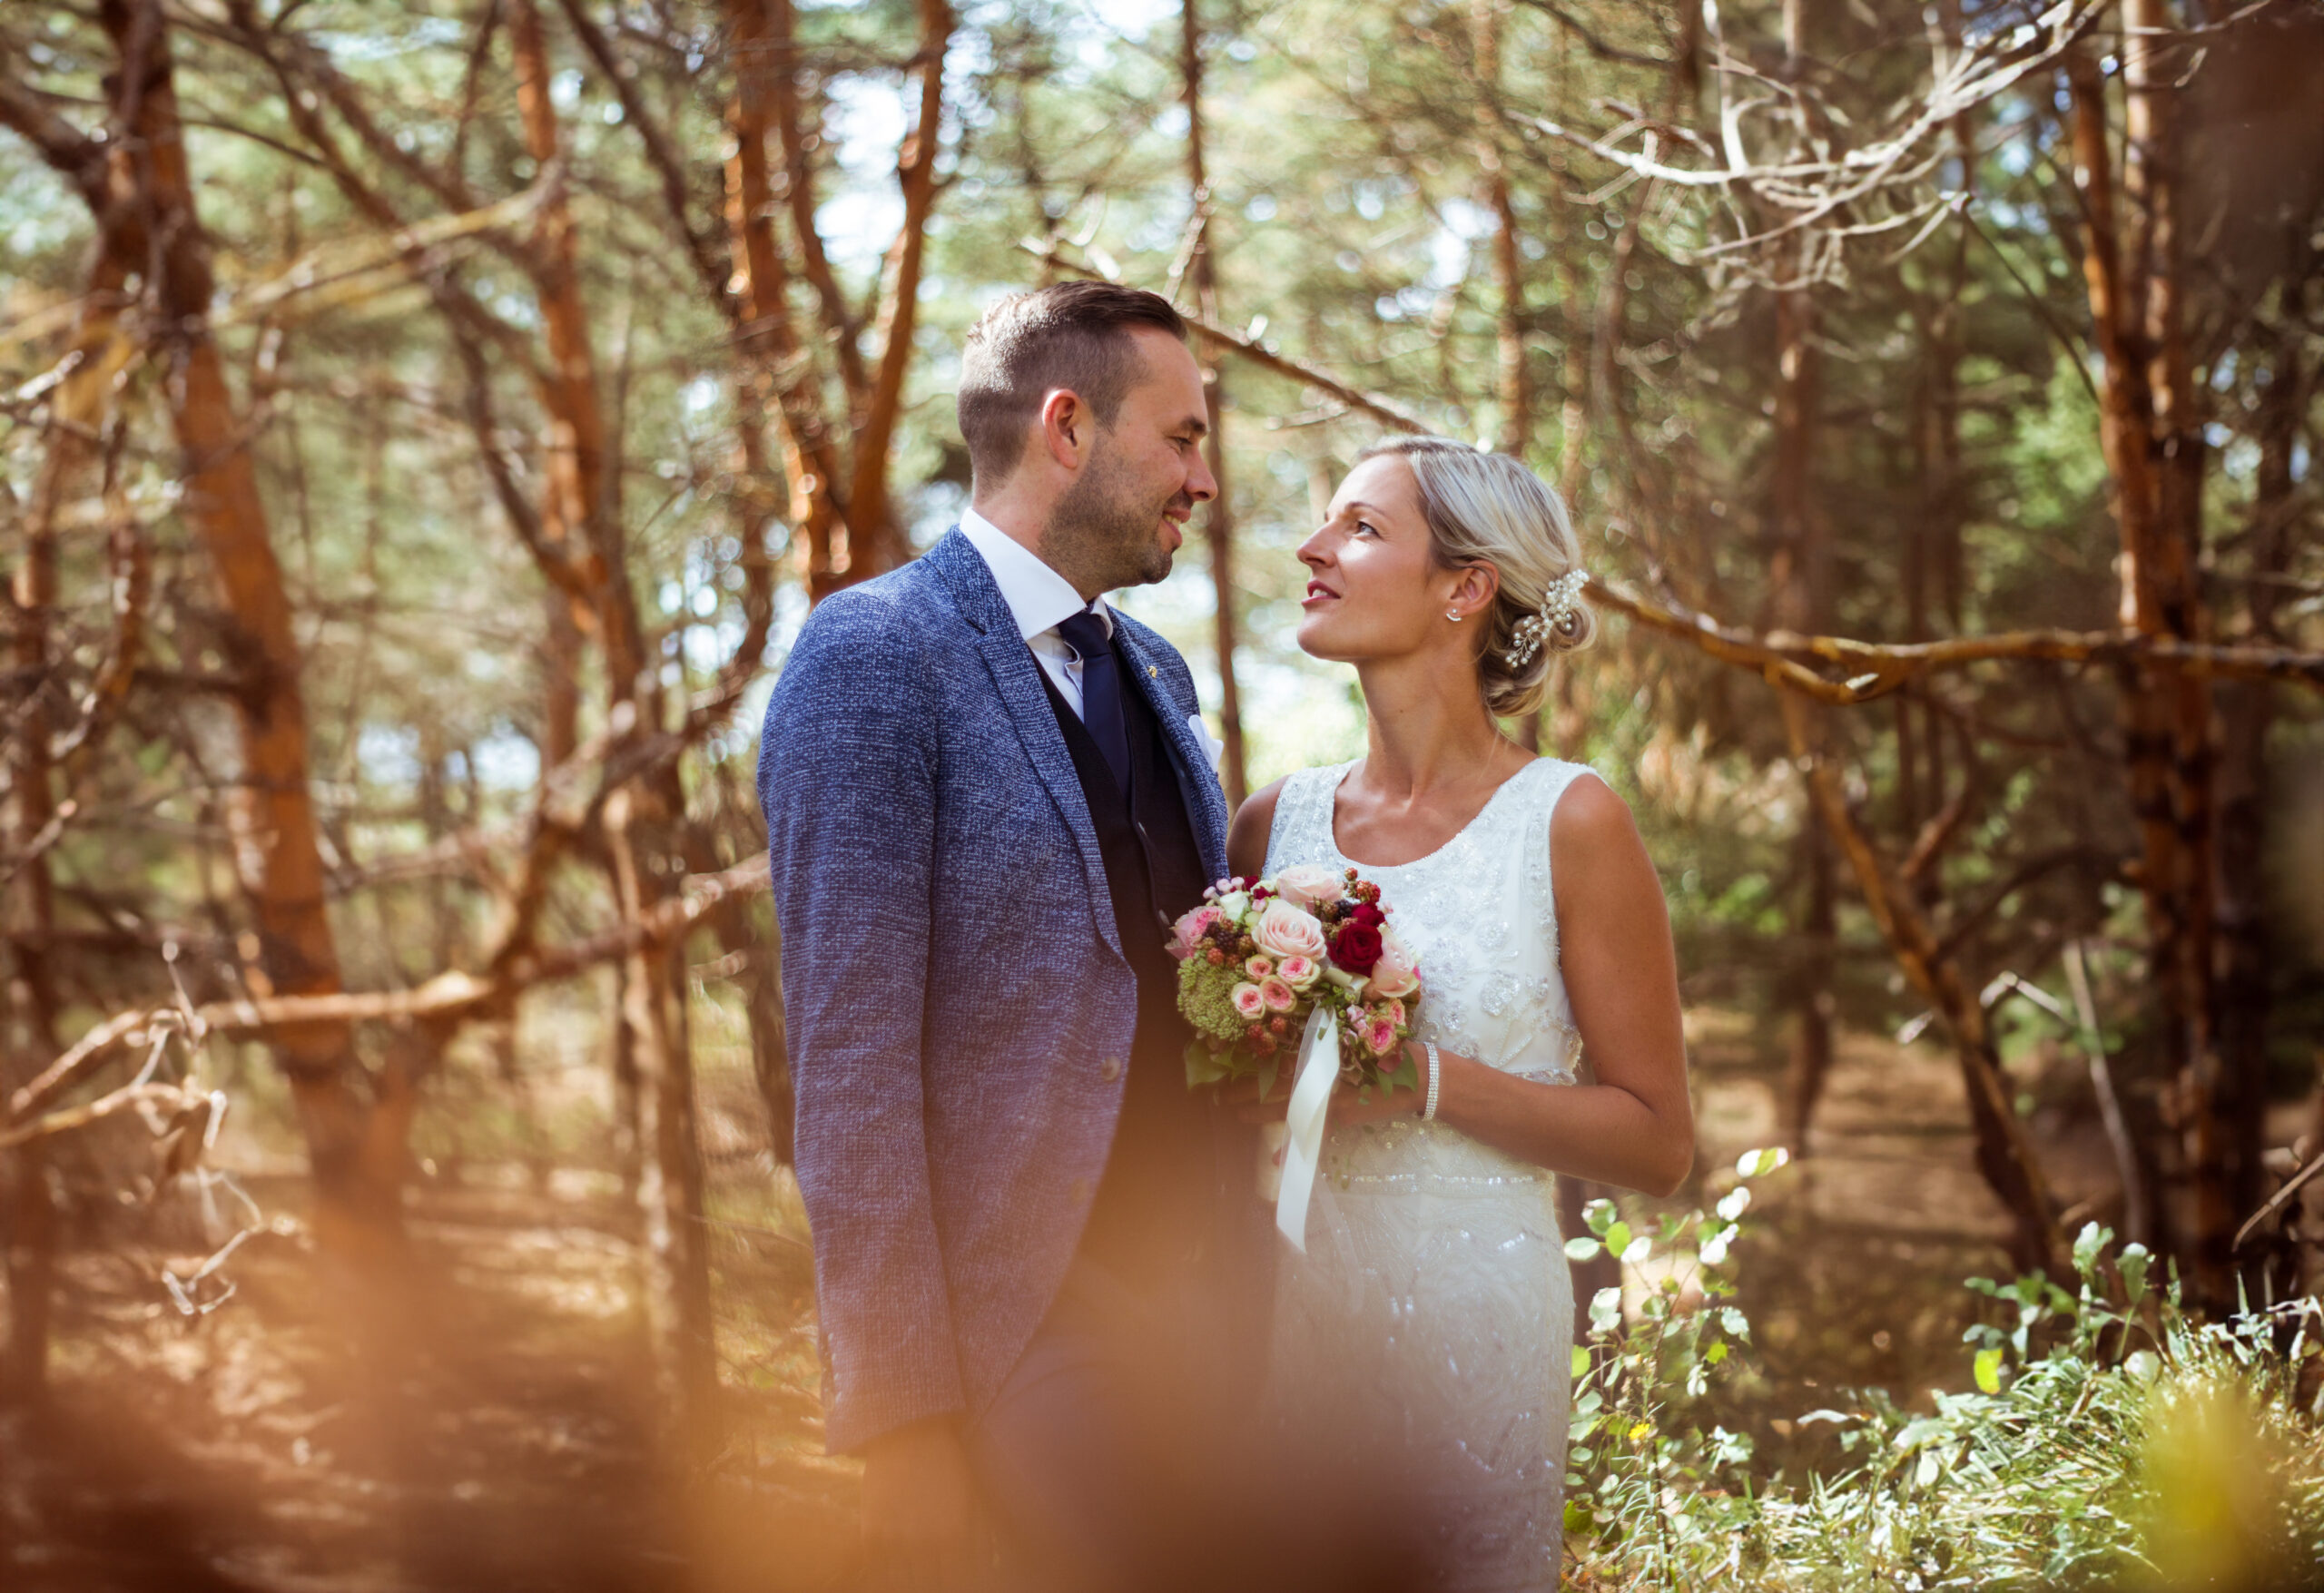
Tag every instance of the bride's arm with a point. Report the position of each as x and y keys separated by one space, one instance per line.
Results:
x=1634 y=1126
x=1246 y=836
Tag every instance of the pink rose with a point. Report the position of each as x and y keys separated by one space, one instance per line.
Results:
x=1284 y=930
x=1248 y=1003
x=1308 y=884
x=1187 y=933
x=1298 y=972
x=1278 y=996
x=1397 y=973
x=1381 y=1036
x=1258 y=968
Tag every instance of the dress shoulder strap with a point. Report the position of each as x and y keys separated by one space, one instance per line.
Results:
x=1550 y=777
x=1547 y=781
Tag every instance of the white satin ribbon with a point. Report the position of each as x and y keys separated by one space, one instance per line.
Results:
x=1310 y=1103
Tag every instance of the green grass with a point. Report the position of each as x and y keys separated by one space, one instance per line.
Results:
x=2113 y=1442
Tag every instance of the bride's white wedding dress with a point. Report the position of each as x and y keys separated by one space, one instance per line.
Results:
x=1433 y=1314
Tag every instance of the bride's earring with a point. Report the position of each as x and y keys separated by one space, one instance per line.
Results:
x=1455 y=616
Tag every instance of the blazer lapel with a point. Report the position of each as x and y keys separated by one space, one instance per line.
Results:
x=1196 y=781
x=1016 y=678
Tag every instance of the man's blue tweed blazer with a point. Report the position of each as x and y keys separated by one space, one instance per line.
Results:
x=959 y=1009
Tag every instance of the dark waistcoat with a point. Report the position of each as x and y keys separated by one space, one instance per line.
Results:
x=1157 y=1200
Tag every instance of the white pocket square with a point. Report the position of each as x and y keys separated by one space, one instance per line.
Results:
x=1211 y=745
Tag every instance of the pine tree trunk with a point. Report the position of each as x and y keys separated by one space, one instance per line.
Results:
x=2133 y=269
x=2004 y=1154
x=680 y=1329
x=876 y=540
x=27 y=1217
x=1218 y=519
x=2247 y=711
x=1800 y=576
x=640 y=816
x=357 y=1173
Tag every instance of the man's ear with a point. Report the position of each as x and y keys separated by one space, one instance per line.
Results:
x=1066 y=427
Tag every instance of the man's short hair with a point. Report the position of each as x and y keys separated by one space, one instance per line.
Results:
x=1072 y=335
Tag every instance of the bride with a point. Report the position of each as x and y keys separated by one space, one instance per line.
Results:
x=1424 y=1339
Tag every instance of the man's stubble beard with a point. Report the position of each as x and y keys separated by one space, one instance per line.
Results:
x=1102 y=534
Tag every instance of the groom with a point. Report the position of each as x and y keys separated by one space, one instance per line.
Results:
x=987 y=794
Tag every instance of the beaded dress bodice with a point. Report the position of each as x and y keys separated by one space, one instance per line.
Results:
x=1433 y=1310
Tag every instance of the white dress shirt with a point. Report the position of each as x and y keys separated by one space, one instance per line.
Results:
x=1039 y=599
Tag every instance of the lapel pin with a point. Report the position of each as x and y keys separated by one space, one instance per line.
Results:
x=1150 y=671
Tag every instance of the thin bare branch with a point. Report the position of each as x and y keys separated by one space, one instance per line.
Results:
x=449 y=996
x=1881 y=668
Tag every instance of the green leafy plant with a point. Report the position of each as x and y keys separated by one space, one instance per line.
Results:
x=2111 y=1439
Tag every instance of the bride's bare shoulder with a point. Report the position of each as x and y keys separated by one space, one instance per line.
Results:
x=1588 y=812
x=1595 y=849
x=1246 y=836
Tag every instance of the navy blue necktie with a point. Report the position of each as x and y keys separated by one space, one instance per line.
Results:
x=1101 y=691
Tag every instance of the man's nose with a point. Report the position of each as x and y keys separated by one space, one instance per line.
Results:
x=1201 y=485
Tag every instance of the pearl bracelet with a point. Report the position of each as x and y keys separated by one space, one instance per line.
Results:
x=1435 y=1077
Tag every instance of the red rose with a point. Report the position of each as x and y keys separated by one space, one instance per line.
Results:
x=1365 y=912
x=1355 y=948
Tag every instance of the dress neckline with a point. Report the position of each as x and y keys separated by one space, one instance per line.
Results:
x=1332 y=818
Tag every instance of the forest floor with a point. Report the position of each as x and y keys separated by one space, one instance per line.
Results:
x=485 y=1424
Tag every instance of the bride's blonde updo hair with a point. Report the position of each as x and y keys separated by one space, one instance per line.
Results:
x=1488 y=508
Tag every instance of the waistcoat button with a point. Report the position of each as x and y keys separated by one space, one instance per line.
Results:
x=1111 y=1069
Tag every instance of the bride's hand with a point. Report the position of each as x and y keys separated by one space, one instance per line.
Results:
x=1376 y=1104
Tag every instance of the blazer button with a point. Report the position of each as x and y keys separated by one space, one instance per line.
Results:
x=1111 y=1069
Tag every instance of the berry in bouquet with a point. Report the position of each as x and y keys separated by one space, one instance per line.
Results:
x=1256 y=961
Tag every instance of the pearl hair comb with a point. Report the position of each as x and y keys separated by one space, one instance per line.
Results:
x=1557 y=613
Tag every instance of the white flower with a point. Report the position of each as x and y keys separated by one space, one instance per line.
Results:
x=1284 y=930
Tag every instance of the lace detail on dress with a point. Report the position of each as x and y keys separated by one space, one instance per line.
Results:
x=1435 y=1289
x=1479 y=911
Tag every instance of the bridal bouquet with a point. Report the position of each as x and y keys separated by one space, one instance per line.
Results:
x=1257 y=960
x=1303 y=964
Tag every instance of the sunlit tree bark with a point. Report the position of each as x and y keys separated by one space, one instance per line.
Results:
x=356 y=1170
x=2133 y=269
x=27 y=1217
x=642 y=815
x=876 y=535
x=1218 y=519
